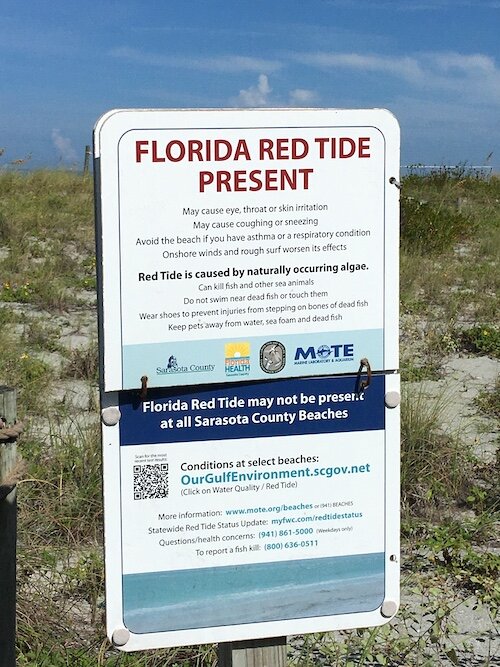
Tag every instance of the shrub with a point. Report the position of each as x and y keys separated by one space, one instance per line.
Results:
x=481 y=340
x=427 y=228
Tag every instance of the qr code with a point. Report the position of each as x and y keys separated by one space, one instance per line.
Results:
x=151 y=481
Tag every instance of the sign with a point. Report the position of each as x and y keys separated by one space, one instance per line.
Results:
x=242 y=245
x=248 y=273
x=251 y=510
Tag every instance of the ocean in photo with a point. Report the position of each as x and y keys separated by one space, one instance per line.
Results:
x=257 y=592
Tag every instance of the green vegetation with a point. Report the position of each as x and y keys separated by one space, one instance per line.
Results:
x=489 y=400
x=450 y=246
x=428 y=228
x=435 y=466
x=83 y=363
x=481 y=340
x=46 y=225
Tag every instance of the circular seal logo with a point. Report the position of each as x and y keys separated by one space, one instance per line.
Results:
x=323 y=351
x=272 y=357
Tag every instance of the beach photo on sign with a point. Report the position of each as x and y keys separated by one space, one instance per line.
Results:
x=233 y=595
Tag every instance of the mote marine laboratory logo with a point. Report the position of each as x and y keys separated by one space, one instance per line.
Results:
x=324 y=354
x=272 y=357
x=237 y=359
x=172 y=367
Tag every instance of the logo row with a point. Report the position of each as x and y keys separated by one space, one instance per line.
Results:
x=272 y=358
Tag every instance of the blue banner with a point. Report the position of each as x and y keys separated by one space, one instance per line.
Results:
x=251 y=410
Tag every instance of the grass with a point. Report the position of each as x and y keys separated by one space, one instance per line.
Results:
x=21 y=368
x=46 y=222
x=449 y=278
x=488 y=401
x=435 y=466
x=83 y=363
x=449 y=285
x=428 y=229
x=481 y=339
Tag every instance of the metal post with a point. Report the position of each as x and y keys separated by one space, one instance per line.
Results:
x=268 y=652
x=8 y=529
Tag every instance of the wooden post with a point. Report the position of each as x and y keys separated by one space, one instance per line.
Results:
x=8 y=529
x=86 y=159
x=269 y=652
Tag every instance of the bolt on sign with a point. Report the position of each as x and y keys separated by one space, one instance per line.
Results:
x=248 y=323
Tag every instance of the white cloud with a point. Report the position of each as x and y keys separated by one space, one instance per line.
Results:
x=259 y=95
x=474 y=74
x=63 y=146
x=474 y=77
x=405 y=67
x=476 y=62
x=227 y=63
x=255 y=96
x=302 y=97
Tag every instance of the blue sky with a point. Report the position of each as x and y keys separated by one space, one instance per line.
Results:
x=434 y=63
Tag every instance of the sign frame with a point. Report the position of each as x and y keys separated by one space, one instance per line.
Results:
x=123 y=368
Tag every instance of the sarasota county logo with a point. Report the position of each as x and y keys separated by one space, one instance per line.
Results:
x=172 y=362
x=172 y=367
x=272 y=357
x=237 y=358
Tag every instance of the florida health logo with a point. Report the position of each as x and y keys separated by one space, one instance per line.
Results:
x=324 y=354
x=237 y=359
